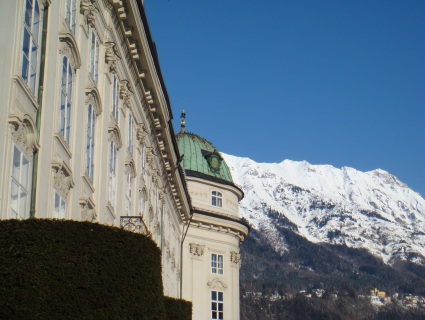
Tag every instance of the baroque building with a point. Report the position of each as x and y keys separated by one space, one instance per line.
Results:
x=86 y=135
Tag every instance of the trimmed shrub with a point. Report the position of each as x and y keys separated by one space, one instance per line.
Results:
x=55 y=269
x=177 y=309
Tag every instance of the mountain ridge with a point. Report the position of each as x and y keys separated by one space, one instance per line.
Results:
x=373 y=210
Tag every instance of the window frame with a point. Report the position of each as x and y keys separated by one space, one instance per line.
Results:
x=217 y=300
x=128 y=193
x=59 y=213
x=216 y=199
x=112 y=172
x=90 y=140
x=115 y=97
x=70 y=15
x=142 y=201
x=217 y=264
x=130 y=138
x=94 y=56
x=65 y=107
x=21 y=188
x=30 y=44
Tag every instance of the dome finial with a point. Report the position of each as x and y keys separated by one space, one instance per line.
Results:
x=183 y=122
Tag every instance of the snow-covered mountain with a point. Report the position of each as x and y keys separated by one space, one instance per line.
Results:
x=371 y=210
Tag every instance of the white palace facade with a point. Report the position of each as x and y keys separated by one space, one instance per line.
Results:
x=86 y=135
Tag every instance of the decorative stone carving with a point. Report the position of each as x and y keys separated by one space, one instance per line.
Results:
x=130 y=168
x=93 y=97
x=217 y=284
x=196 y=249
x=125 y=92
x=235 y=258
x=88 y=213
x=62 y=178
x=88 y=9
x=150 y=155
x=111 y=56
x=114 y=134
x=155 y=177
x=23 y=136
x=68 y=46
x=161 y=196
x=141 y=133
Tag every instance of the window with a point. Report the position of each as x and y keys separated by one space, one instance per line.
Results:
x=70 y=13
x=59 y=207
x=112 y=171
x=90 y=141
x=30 y=43
x=19 y=183
x=115 y=95
x=66 y=100
x=217 y=263
x=94 y=56
x=128 y=194
x=217 y=199
x=130 y=133
x=142 y=198
x=217 y=305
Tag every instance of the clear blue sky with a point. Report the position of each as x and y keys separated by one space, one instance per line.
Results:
x=330 y=82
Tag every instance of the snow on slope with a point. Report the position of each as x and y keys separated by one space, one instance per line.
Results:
x=372 y=210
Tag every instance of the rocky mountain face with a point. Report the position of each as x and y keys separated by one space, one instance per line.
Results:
x=371 y=210
x=337 y=232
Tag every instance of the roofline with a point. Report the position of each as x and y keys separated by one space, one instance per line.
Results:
x=224 y=217
x=200 y=175
x=154 y=53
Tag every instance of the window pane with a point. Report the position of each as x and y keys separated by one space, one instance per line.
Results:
x=25 y=172
x=56 y=206
x=213 y=306
x=220 y=296
x=26 y=43
x=32 y=79
x=220 y=307
x=36 y=22
x=16 y=163
x=25 y=55
x=23 y=204
x=68 y=121
x=213 y=295
x=63 y=208
x=214 y=315
x=14 y=195
x=64 y=65
x=69 y=91
x=28 y=13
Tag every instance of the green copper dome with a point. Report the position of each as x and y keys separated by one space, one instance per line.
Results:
x=201 y=159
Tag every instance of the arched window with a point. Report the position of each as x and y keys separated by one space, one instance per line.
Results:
x=91 y=117
x=30 y=43
x=70 y=14
x=112 y=171
x=216 y=199
x=115 y=96
x=94 y=56
x=19 y=185
x=66 y=99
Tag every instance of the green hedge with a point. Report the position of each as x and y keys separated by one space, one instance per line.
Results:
x=176 y=309
x=53 y=269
